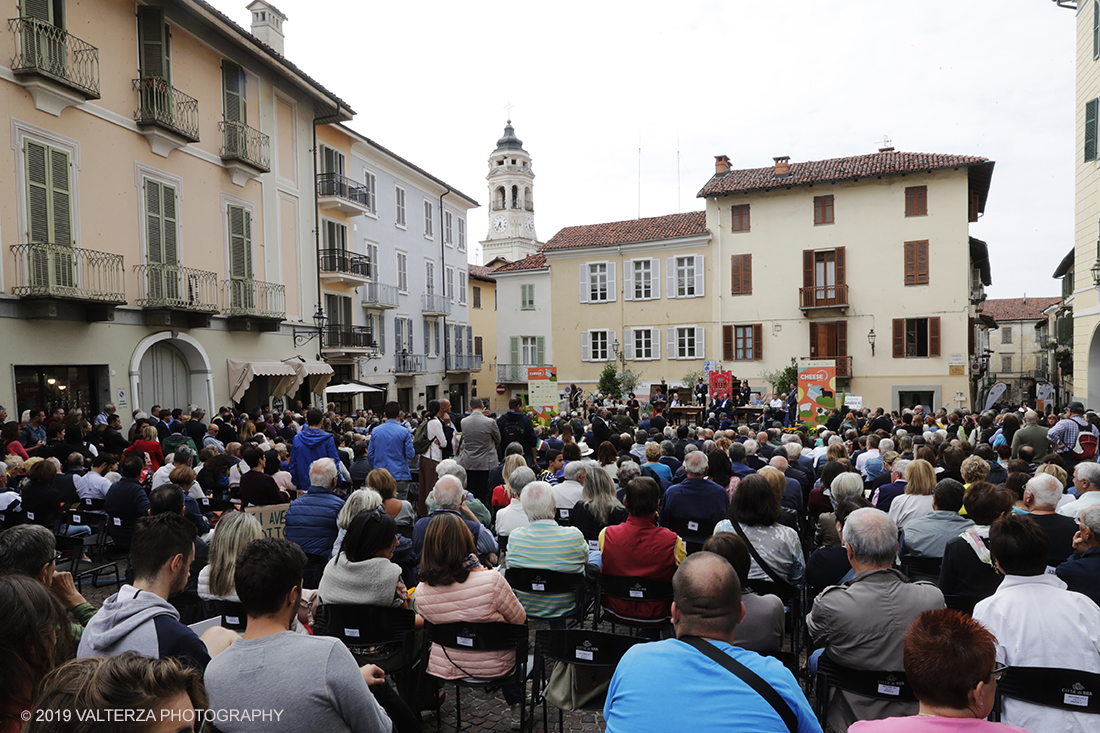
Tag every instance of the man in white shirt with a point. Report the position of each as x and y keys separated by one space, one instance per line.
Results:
x=513 y=517
x=570 y=491
x=1037 y=622
x=1086 y=479
x=871 y=452
x=95 y=484
x=182 y=457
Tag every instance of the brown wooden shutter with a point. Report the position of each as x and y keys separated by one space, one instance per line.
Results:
x=973 y=206
x=842 y=338
x=727 y=343
x=746 y=274
x=808 y=277
x=819 y=206
x=970 y=336
x=813 y=341
x=922 y=262
x=757 y=341
x=735 y=274
x=899 y=338
x=910 y=263
x=934 y=336
x=840 y=277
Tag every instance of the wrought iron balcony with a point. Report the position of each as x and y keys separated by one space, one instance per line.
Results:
x=162 y=105
x=44 y=270
x=826 y=296
x=463 y=363
x=513 y=372
x=45 y=50
x=377 y=295
x=245 y=144
x=172 y=287
x=435 y=305
x=246 y=298
x=341 y=265
x=348 y=338
x=410 y=363
x=335 y=191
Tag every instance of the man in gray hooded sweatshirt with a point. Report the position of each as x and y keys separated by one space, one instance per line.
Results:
x=139 y=617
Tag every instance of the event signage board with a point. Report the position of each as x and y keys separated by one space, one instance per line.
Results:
x=816 y=390
x=272 y=519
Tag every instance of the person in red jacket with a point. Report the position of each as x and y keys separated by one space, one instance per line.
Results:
x=148 y=444
x=640 y=548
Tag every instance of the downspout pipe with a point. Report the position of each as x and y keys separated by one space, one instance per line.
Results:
x=443 y=275
x=317 y=239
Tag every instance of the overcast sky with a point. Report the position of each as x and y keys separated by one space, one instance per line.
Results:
x=590 y=82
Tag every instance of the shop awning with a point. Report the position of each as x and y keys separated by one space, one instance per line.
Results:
x=352 y=388
x=242 y=372
x=315 y=374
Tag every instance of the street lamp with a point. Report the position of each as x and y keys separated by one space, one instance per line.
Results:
x=871 y=340
x=1095 y=270
x=319 y=319
x=620 y=354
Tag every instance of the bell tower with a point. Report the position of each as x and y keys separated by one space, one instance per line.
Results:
x=511 y=201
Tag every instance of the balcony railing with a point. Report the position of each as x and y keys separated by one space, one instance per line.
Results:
x=339 y=336
x=335 y=184
x=843 y=365
x=177 y=288
x=61 y=271
x=513 y=372
x=435 y=305
x=43 y=48
x=337 y=260
x=410 y=363
x=254 y=298
x=163 y=105
x=463 y=363
x=378 y=295
x=246 y=144
x=830 y=296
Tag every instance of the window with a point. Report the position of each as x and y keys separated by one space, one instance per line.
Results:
x=429 y=216
x=742 y=343
x=1090 y=128
x=741 y=275
x=370 y=183
x=478 y=346
x=399 y=196
x=335 y=235
x=470 y=341
x=527 y=297
x=161 y=250
x=1006 y=363
x=372 y=260
x=916 y=263
x=461 y=234
x=477 y=296
x=458 y=339
x=1096 y=29
x=154 y=46
x=402 y=272
x=686 y=342
x=643 y=280
x=597 y=282
x=529 y=345
x=1006 y=335
x=449 y=284
x=50 y=11
x=241 y=295
x=916 y=337
x=49 y=204
x=233 y=107
x=429 y=277
x=332 y=162
x=462 y=286
x=916 y=201
x=435 y=335
x=641 y=344
x=830 y=341
x=526 y=350
x=685 y=276
x=595 y=345
x=427 y=336
x=823 y=209
x=448 y=228
x=338 y=310
x=740 y=215
x=823 y=278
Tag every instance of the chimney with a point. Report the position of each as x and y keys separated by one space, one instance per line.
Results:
x=267 y=24
x=783 y=165
x=721 y=165
x=886 y=150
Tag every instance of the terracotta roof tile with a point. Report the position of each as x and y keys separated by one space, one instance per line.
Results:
x=532 y=262
x=482 y=273
x=835 y=169
x=1017 y=309
x=635 y=230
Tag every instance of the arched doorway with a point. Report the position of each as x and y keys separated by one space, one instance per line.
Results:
x=171 y=369
x=1093 y=372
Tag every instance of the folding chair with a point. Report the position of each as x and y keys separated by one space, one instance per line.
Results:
x=210 y=504
x=880 y=685
x=793 y=603
x=90 y=504
x=550 y=582
x=482 y=637
x=314 y=569
x=75 y=547
x=562 y=517
x=12 y=518
x=592 y=650
x=630 y=588
x=233 y=615
x=76 y=516
x=364 y=628
x=922 y=568
x=694 y=532
x=964 y=604
x=1064 y=689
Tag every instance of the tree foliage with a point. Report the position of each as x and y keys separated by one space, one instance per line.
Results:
x=610 y=385
x=782 y=379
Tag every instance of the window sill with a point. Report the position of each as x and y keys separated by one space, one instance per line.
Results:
x=429 y=237
x=740 y=231
x=402 y=227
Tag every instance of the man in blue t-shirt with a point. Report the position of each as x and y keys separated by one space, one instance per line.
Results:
x=693 y=691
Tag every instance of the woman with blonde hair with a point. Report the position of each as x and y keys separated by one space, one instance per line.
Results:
x=361 y=500
x=916 y=502
x=148 y=444
x=248 y=429
x=1054 y=470
x=500 y=493
x=234 y=531
x=383 y=482
x=598 y=508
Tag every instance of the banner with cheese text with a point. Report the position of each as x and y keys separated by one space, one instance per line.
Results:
x=542 y=391
x=816 y=390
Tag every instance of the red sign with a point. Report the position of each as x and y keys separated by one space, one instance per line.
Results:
x=501 y=389
x=721 y=384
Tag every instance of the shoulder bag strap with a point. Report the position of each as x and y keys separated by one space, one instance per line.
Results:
x=747 y=676
x=756 y=556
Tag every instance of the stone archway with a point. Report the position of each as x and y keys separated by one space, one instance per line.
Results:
x=175 y=357
x=1093 y=372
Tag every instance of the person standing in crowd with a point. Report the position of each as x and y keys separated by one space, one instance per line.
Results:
x=310 y=445
x=391 y=447
x=431 y=455
x=1066 y=440
x=480 y=448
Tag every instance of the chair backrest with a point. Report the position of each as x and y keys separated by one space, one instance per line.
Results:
x=694 y=530
x=359 y=625
x=634 y=588
x=72 y=545
x=215 y=505
x=502 y=543
x=480 y=636
x=922 y=567
x=965 y=604
x=580 y=646
x=1065 y=689
x=785 y=591
x=97 y=504
x=880 y=685
x=536 y=580
x=12 y=518
x=563 y=518
x=233 y=615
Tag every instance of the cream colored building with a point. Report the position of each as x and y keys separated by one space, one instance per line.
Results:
x=526 y=319
x=818 y=259
x=1017 y=351
x=483 y=321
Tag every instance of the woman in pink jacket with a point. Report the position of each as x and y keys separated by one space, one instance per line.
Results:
x=454 y=587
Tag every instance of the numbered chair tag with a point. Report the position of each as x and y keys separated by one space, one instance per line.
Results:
x=538 y=587
x=464 y=641
x=584 y=654
x=564 y=513
x=889 y=690
x=76 y=518
x=30 y=516
x=693 y=526
x=233 y=620
x=118 y=521
x=351 y=633
x=636 y=594
x=594 y=545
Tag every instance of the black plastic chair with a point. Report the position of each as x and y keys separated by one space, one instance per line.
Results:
x=232 y=614
x=550 y=582
x=793 y=603
x=12 y=518
x=368 y=630
x=922 y=568
x=880 y=685
x=580 y=647
x=77 y=516
x=482 y=637
x=630 y=588
x=562 y=517
x=314 y=569
x=963 y=604
x=95 y=574
x=694 y=532
x=210 y=504
x=90 y=504
x=1064 y=689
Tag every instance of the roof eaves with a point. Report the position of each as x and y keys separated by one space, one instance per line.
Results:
x=1065 y=265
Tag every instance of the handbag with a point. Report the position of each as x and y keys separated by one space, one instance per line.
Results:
x=756 y=556
x=572 y=686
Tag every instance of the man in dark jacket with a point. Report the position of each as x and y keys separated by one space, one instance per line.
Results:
x=515 y=427
x=113 y=439
x=309 y=445
x=126 y=502
x=311 y=519
x=195 y=428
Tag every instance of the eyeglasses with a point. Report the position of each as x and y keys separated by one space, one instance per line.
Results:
x=58 y=557
x=999 y=670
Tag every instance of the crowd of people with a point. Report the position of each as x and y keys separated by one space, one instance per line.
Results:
x=940 y=547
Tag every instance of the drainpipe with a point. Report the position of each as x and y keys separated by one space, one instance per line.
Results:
x=317 y=238
x=443 y=272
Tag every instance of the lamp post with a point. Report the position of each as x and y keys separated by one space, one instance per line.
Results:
x=302 y=337
x=618 y=353
x=871 y=340
x=1095 y=270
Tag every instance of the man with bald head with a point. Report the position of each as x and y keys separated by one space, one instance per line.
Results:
x=696 y=689
x=1033 y=434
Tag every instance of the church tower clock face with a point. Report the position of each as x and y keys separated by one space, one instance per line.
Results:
x=500 y=223
x=529 y=225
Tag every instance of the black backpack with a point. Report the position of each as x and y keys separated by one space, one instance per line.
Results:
x=511 y=432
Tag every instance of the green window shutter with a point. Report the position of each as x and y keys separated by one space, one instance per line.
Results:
x=515 y=350
x=168 y=209
x=233 y=81
x=1095 y=29
x=1090 y=129
x=38 y=9
x=540 y=349
x=154 y=223
x=38 y=192
x=60 y=198
x=153 y=43
x=240 y=243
